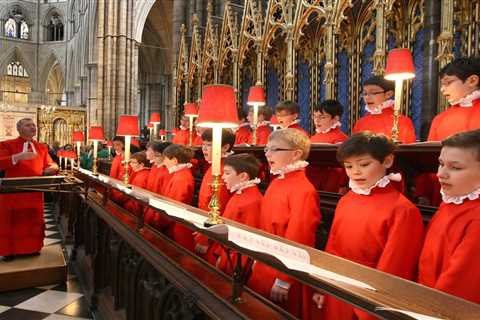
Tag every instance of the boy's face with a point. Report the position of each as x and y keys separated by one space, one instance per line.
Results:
x=458 y=171
x=136 y=166
x=374 y=95
x=158 y=159
x=207 y=150
x=169 y=163
x=279 y=154
x=323 y=120
x=118 y=147
x=285 y=118
x=454 y=89
x=150 y=153
x=365 y=170
x=184 y=122
x=260 y=117
x=231 y=178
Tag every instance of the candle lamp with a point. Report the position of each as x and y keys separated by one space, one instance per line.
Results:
x=217 y=111
x=109 y=147
x=150 y=131
x=256 y=99
x=155 y=120
x=399 y=67
x=191 y=111
x=95 y=134
x=127 y=127
x=163 y=135
x=78 y=139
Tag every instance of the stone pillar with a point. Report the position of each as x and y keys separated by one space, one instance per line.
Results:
x=430 y=75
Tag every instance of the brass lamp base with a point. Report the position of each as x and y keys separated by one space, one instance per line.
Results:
x=214 y=204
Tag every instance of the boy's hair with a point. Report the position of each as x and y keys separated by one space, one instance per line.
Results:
x=462 y=68
x=158 y=146
x=294 y=138
x=178 y=151
x=141 y=157
x=243 y=162
x=228 y=137
x=331 y=107
x=241 y=114
x=381 y=82
x=465 y=140
x=288 y=106
x=265 y=111
x=376 y=145
x=119 y=138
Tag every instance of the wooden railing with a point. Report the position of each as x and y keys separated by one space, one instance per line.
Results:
x=130 y=266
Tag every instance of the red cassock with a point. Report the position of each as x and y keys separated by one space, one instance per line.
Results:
x=454 y=120
x=181 y=137
x=138 y=179
x=243 y=134
x=243 y=207
x=156 y=182
x=450 y=259
x=181 y=187
x=197 y=141
x=21 y=215
x=383 y=123
x=335 y=135
x=117 y=170
x=204 y=196
x=383 y=230
x=290 y=209
x=298 y=127
x=263 y=132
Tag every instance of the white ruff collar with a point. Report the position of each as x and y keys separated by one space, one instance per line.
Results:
x=379 y=109
x=179 y=167
x=292 y=124
x=467 y=101
x=335 y=125
x=261 y=124
x=459 y=199
x=244 y=185
x=382 y=183
x=297 y=165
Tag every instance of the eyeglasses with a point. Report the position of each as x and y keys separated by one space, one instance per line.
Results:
x=267 y=149
x=371 y=94
x=447 y=82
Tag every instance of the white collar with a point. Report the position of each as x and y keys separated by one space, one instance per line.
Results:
x=244 y=185
x=244 y=124
x=183 y=128
x=179 y=167
x=297 y=165
x=379 y=109
x=261 y=124
x=335 y=125
x=296 y=121
x=25 y=146
x=382 y=183
x=459 y=199
x=467 y=101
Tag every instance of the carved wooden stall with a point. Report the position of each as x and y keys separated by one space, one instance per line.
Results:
x=132 y=271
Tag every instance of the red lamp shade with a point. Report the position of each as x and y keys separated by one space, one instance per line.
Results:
x=96 y=133
x=135 y=142
x=191 y=110
x=150 y=125
x=218 y=107
x=109 y=143
x=77 y=136
x=256 y=96
x=274 y=121
x=400 y=65
x=128 y=125
x=162 y=132
x=155 y=117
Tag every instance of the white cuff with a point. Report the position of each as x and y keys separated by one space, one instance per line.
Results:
x=14 y=162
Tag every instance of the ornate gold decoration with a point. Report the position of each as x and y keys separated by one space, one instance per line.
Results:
x=59 y=125
x=194 y=62
x=209 y=70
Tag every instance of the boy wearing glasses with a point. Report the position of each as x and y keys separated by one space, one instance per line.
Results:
x=286 y=113
x=289 y=209
x=377 y=95
x=326 y=118
x=459 y=84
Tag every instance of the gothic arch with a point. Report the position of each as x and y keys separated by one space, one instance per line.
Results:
x=5 y=12
x=10 y=55
x=51 y=62
x=46 y=21
x=141 y=13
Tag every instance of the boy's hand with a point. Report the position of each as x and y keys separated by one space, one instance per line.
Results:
x=201 y=249
x=279 y=294
x=318 y=299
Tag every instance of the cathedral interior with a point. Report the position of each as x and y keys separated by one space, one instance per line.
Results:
x=73 y=64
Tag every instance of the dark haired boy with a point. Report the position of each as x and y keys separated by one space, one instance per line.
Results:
x=182 y=134
x=449 y=260
x=286 y=113
x=243 y=132
x=326 y=117
x=240 y=175
x=459 y=84
x=378 y=94
x=374 y=224
x=117 y=169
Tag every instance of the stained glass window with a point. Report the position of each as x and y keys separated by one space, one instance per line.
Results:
x=11 y=28
x=16 y=69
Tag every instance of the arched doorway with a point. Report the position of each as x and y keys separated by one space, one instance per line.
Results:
x=60 y=131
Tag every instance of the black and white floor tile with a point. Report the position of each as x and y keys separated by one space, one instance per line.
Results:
x=64 y=301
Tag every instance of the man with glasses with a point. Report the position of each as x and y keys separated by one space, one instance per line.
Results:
x=378 y=96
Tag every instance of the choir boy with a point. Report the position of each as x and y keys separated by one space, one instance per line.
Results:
x=263 y=125
x=243 y=132
x=286 y=113
x=290 y=209
x=139 y=176
x=117 y=169
x=182 y=134
x=180 y=187
x=326 y=117
x=378 y=95
x=374 y=224
x=240 y=175
x=450 y=257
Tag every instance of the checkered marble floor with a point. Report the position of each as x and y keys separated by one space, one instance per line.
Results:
x=64 y=301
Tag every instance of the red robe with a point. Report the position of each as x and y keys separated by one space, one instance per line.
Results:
x=454 y=120
x=295 y=125
x=181 y=187
x=263 y=132
x=204 y=196
x=181 y=137
x=21 y=214
x=383 y=230
x=450 y=259
x=157 y=183
x=243 y=134
x=245 y=208
x=333 y=136
x=290 y=209
x=382 y=123
x=117 y=169
x=197 y=141
x=138 y=179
